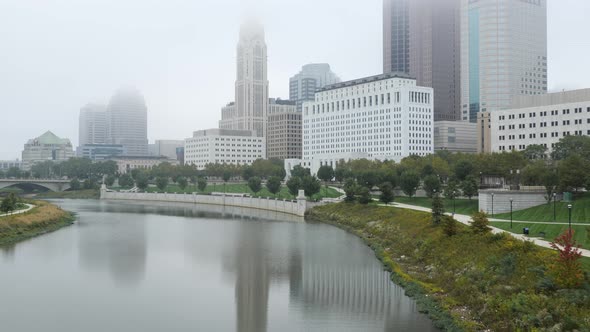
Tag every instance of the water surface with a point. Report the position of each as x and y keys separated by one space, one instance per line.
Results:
x=131 y=267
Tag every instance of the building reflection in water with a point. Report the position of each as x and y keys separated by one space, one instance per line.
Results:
x=116 y=245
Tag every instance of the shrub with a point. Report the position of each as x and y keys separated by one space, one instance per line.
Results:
x=162 y=183
x=75 y=184
x=450 y=226
x=254 y=184
x=350 y=188
x=480 y=223
x=201 y=184
x=294 y=184
x=386 y=193
x=567 y=268
x=437 y=209
x=364 y=195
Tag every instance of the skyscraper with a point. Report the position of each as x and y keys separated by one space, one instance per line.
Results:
x=421 y=38
x=251 y=97
x=312 y=77
x=503 y=53
x=92 y=124
x=396 y=36
x=127 y=122
x=435 y=53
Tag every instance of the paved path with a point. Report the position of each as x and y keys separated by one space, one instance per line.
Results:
x=29 y=207
x=467 y=219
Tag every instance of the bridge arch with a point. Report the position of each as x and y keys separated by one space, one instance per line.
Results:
x=56 y=186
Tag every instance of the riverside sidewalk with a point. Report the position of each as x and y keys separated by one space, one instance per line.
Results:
x=467 y=219
x=29 y=207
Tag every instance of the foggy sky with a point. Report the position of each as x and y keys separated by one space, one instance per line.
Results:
x=58 y=55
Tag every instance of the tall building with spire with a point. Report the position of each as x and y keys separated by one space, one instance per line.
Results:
x=249 y=112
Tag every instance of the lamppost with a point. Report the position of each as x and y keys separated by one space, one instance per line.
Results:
x=554 y=210
x=511 y=213
x=569 y=208
x=454 y=195
x=492 y=204
x=480 y=178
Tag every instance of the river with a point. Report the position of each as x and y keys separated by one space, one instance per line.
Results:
x=132 y=267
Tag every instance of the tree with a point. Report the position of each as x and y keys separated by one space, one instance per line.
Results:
x=341 y=173
x=386 y=196
x=294 y=184
x=141 y=181
x=194 y=181
x=226 y=175
x=14 y=172
x=326 y=173
x=364 y=195
x=350 y=188
x=135 y=173
x=533 y=174
x=299 y=171
x=550 y=182
x=8 y=203
x=463 y=168
x=567 y=268
x=311 y=185
x=409 y=182
x=75 y=184
x=572 y=145
x=126 y=181
x=201 y=184
x=449 y=225
x=162 y=182
x=182 y=183
x=451 y=190
x=431 y=185
x=535 y=152
x=469 y=186
x=273 y=184
x=438 y=209
x=247 y=173
x=89 y=184
x=254 y=184
x=109 y=180
x=573 y=173
x=480 y=223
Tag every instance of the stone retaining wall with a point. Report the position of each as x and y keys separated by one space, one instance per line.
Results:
x=501 y=202
x=296 y=207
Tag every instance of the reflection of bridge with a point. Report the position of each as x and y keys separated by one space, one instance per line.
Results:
x=50 y=184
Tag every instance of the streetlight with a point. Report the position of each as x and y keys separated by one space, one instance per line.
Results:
x=569 y=208
x=554 y=200
x=454 y=194
x=480 y=178
x=492 y=204
x=511 y=213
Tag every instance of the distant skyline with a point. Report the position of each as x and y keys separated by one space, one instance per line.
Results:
x=57 y=57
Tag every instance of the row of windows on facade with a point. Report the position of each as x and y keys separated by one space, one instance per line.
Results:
x=543 y=135
x=415 y=97
x=545 y=124
x=566 y=111
x=523 y=146
x=361 y=89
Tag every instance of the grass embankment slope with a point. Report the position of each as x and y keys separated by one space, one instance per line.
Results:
x=462 y=206
x=73 y=194
x=465 y=282
x=42 y=219
x=243 y=188
x=580 y=212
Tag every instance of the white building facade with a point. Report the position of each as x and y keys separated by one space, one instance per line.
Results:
x=455 y=136
x=47 y=147
x=223 y=146
x=126 y=164
x=92 y=125
x=541 y=119
x=380 y=117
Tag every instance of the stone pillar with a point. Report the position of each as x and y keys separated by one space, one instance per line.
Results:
x=301 y=203
x=103 y=191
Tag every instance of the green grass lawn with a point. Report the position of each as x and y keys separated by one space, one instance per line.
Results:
x=243 y=188
x=462 y=206
x=580 y=212
x=581 y=233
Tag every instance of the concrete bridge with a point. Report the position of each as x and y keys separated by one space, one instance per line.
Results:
x=50 y=184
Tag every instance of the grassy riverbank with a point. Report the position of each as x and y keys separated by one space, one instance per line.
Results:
x=465 y=282
x=44 y=218
x=462 y=206
x=74 y=194
x=544 y=212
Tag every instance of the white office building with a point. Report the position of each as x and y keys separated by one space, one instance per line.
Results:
x=127 y=122
x=455 y=136
x=380 y=117
x=503 y=53
x=540 y=119
x=223 y=146
x=92 y=125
